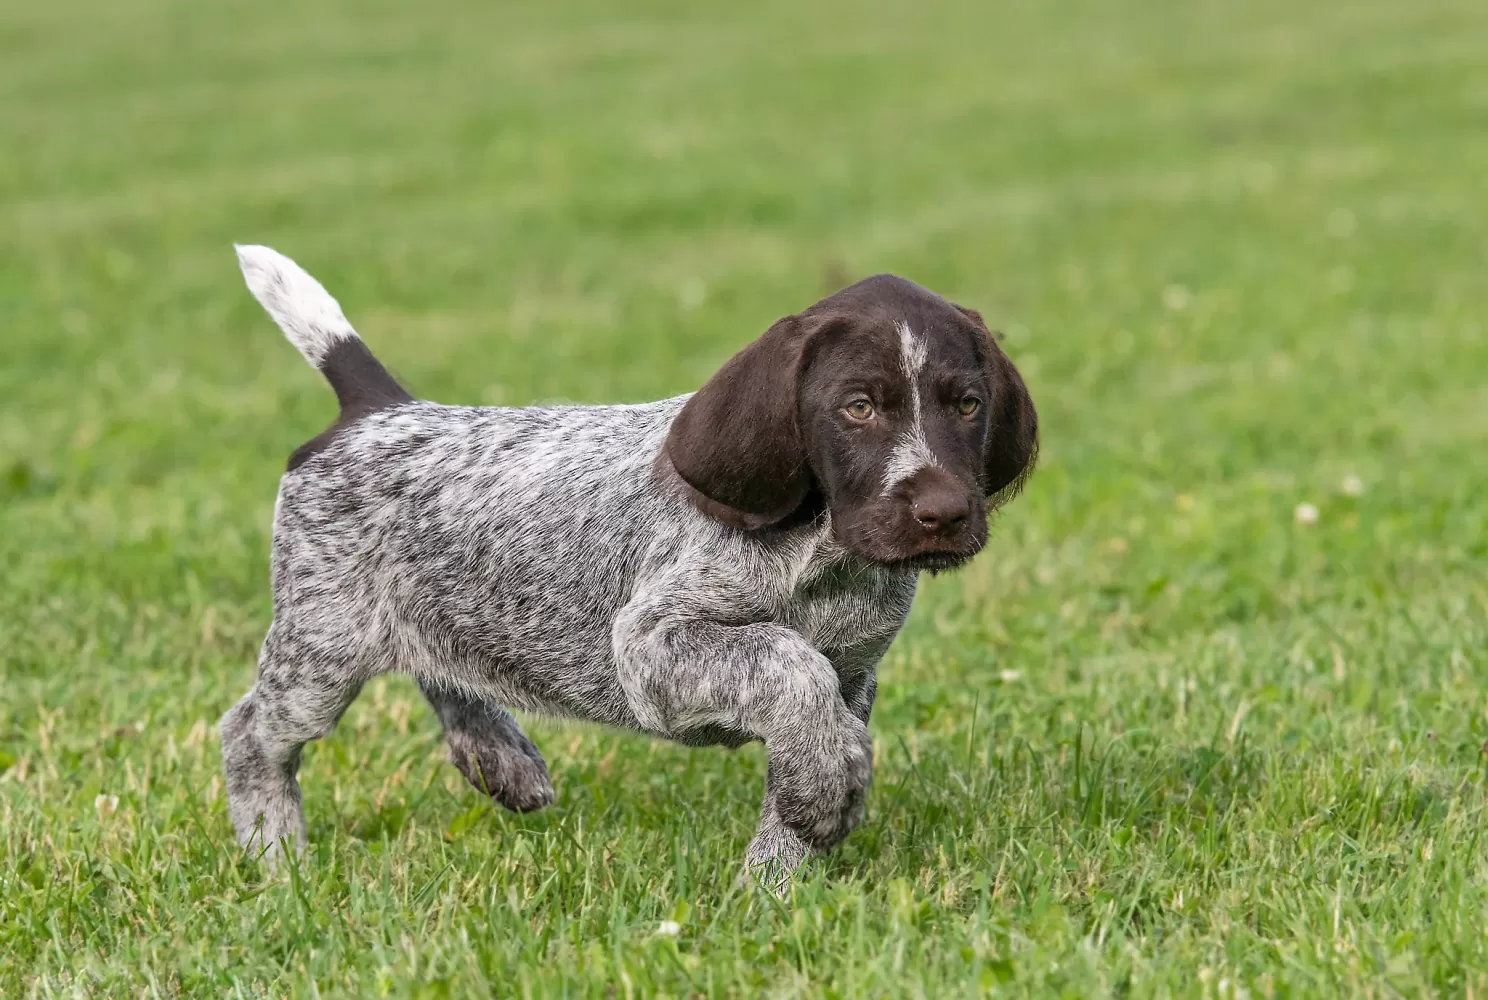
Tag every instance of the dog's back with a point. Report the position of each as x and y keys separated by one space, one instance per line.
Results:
x=491 y=546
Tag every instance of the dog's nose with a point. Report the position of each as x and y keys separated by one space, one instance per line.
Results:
x=941 y=510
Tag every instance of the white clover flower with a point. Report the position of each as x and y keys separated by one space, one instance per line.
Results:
x=1306 y=513
x=1177 y=297
x=669 y=928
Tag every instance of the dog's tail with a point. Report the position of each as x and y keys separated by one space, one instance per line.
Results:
x=314 y=323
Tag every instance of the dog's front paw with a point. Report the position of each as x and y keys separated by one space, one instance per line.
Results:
x=775 y=854
x=819 y=793
x=517 y=777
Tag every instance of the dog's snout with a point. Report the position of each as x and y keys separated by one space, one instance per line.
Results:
x=941 y=510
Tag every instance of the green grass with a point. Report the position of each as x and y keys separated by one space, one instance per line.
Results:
x=1161 y=739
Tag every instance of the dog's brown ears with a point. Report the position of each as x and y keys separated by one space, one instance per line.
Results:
x=1012 y=438
x=737 y=443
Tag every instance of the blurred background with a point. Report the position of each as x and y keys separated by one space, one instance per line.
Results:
x=1237 y=250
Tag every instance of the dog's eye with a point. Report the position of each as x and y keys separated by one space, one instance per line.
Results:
x=969 y=405
x=859 y=409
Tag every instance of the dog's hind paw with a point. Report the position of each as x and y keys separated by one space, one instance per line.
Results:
x=515 y=777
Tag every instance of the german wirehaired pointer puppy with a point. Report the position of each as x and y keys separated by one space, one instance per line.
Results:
x=715 y=568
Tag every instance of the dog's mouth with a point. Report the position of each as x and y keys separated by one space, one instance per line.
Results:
x=937 y=561
x=891 y=543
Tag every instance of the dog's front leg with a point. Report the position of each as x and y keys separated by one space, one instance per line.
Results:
x=682 y=670
x=776 y=850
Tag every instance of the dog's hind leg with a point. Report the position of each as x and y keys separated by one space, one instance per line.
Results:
x=491 y=750
x=300 y=695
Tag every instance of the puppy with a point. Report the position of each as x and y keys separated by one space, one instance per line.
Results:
x=715 y=568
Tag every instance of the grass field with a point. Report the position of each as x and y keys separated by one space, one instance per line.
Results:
x=1162 y=738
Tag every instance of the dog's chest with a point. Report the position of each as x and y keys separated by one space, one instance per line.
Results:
x=838 y=610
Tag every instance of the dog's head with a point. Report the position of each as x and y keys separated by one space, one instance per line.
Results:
x=884 y=402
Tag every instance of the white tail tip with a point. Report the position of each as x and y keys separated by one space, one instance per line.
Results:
x=304 y=310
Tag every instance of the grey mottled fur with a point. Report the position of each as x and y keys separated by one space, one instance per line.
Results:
x=530 y=559
x=545 y=559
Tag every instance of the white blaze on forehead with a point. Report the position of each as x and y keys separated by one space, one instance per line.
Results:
x=912 y=353
x=912 y=452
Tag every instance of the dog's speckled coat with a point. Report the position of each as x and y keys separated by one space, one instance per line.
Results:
x=548 y=559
